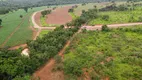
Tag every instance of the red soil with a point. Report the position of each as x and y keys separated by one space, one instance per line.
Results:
x=17 y=47
x=59 y=16
x=46 y=73
x=37 y=18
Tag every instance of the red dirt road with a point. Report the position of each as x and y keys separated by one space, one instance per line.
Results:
x=37 y=18
x=59 y=16
x=46 y=73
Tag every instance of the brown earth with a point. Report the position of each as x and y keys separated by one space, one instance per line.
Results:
x=18 y=46
x=46 y=73
x=37 y=18
x=59 y=16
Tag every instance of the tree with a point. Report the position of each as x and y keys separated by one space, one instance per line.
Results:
x=26 y=9
x=105 y=17
x=21 y=16
x=105 y=28
x=0 y=22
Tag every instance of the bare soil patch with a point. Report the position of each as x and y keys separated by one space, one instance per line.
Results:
x=59 y=16
x=37 y=18
x=46 y=73
x=18 y=46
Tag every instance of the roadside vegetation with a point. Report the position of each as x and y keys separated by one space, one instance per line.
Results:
x=108 y=54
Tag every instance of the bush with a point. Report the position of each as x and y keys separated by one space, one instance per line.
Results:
x=105 y=17
x=140 y=19
x=105 y=28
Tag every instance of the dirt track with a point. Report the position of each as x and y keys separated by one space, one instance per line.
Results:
x=98 y=27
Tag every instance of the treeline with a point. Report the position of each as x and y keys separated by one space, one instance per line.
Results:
x=14 y=66
x=11 y=5
x=45 y=12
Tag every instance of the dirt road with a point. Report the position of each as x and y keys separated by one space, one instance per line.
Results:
x=98 y=27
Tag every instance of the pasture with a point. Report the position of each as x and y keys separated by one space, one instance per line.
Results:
x=116 y=17
x=78 y=10
x=15 y=28
x=113 y=55
x=43 y=32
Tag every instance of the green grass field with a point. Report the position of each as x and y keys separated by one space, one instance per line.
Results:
x=11 y=21
x=115 y=54
x=118 y=17
x=43 y=32
x=79 y=9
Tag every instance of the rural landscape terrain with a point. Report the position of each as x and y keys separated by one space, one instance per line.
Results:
x=70 y=40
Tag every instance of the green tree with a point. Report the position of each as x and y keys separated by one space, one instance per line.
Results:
x=26 y=9
x=105 y=28
x=0 y=22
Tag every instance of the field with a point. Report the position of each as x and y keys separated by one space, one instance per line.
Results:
x=16 y=30
x=114 y=17
x=78 y=10
x=105 y=55
x=59 y=16
x=43 y=32
x=118 y=17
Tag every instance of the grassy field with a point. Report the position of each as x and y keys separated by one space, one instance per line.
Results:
x=118 y=17
x=79 y=9
x=113 y=55
x=43 y=32
x=11 y=21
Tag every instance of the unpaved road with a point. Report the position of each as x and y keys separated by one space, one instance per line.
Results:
x=45 y=72
x=36 y=26
x=98 y=27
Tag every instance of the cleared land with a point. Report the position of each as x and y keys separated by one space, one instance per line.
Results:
x=10 y=22
x=111 y=55
x=59 y=16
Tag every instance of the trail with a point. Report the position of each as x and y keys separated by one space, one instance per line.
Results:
x=98 y=27
x=45 y=72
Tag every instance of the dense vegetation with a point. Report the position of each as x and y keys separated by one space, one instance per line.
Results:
x=14 y=65
x=107 y=54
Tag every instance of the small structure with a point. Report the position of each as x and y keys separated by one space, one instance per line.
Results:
x=25 y=52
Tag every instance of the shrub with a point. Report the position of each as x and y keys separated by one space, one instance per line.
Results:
x=105 y=28
x=140 y=19
x=105 y=17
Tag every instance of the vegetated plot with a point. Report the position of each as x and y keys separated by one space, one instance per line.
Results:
x=23 y=34
x=118 y=17
x=97 y=55
x=78 y=10
x=43 y=32
x=12 y=20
